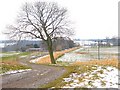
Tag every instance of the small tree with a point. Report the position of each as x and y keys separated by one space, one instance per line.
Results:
x=42 y=20
x=36 y=46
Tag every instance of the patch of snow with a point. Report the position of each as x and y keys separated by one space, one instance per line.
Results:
x=15 y=71
x=72 y=57
x=76 y=81
x=33 y=57
x=107 y=79
x=68 y=79
x=23 y=56
x=37 y=59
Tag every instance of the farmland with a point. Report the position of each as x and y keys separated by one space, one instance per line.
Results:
x=86 y=71
x=88 y=53
x=77 y=62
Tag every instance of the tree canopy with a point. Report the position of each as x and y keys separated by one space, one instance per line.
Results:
x=43 y=20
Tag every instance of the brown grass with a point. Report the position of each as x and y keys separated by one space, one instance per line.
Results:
x=106 y=62
x=81 y=52
x=46 y=60
x=10 y=62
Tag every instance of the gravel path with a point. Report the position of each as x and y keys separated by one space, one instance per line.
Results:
x=39 y=75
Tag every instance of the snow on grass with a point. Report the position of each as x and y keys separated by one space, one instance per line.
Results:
x=72 y=57
x=85 y=54
x=102 y=77
x=15 y=71
x=9 y=54
x=23 y=56
x=37 y=59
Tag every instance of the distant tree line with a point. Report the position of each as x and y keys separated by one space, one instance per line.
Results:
x=59 y=43
x=114 y=40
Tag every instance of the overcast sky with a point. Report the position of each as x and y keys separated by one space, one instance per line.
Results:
x=91 y=18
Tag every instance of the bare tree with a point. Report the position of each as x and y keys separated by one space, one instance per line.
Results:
x=42 y=20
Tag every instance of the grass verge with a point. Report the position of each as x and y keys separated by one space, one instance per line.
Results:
x=14 y=57
x=9 y=63
x=58 y=83
x=106 y=62
x=6 y=68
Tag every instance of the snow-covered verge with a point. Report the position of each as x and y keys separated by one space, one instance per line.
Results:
x=15 y=71
x=37 y=59
x=99 y=77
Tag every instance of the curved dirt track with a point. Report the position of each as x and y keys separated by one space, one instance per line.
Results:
x=39 y=75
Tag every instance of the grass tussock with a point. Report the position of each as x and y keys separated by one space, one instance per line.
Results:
x=46 y=60
x=107 y=62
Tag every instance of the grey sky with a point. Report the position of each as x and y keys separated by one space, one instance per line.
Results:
x=91 y=18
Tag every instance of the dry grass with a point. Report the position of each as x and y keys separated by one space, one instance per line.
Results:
x=81 y=52
x=10 y=62
x=106 y=62
x=11 y=65
x=46 y=60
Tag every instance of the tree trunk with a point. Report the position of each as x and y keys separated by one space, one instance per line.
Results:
x=51 y=55
x=50 y=49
